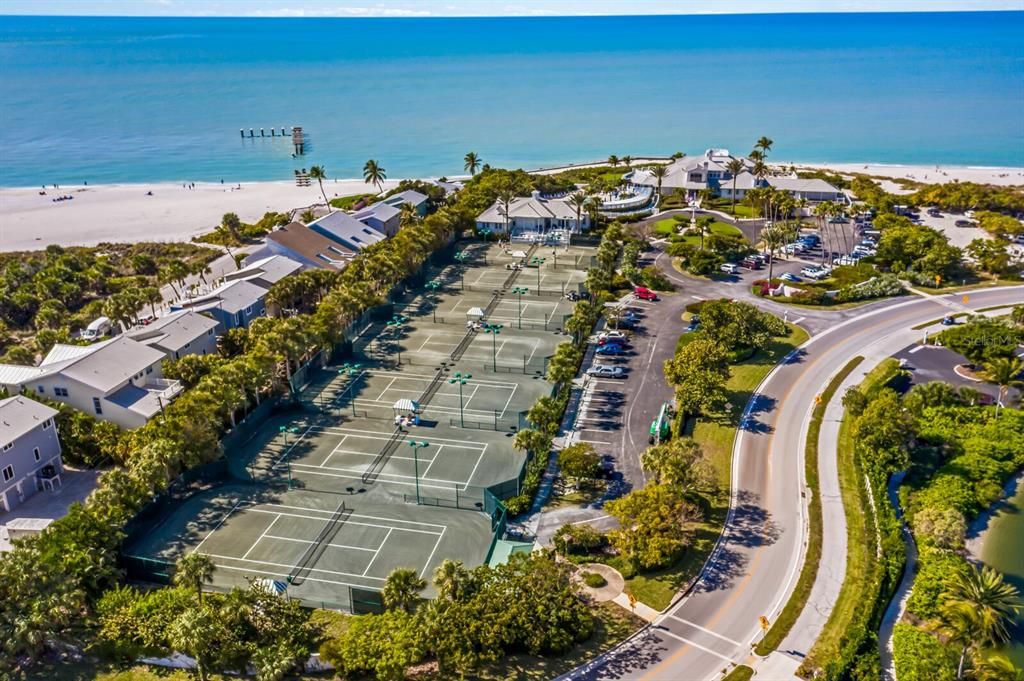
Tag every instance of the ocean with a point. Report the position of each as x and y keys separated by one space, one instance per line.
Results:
x=104 y=100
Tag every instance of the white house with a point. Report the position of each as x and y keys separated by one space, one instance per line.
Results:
x=118 y=380
x=814 y=190
x=29 y=450
x=347 y=231
x=533 y=214
x=265 y=271
x=179 y=334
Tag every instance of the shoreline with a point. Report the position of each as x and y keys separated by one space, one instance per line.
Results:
x=126 y=212
x=979 y=528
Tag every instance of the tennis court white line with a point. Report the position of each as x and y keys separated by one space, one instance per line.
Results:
x=438 y=408
x=285 y=575
x=509 y=400
x=357 y=515
x=426 y=378
x=437 y=543
x=375 y=553
x=288 y=451
x=451 y=443
x=350 y=522
x=262 y=535
x=387 y=436
x=424 y=344
x=350 y=473
x=290 y=567
x=427 y=471
x=217 y=526
x=384 y=392
x=477 y=465
x=332 y=545
x=393 y=456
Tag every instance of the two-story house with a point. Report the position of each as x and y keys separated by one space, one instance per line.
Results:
x=347 y=231
x=234 y=304
x=118 y=380
x=297 y=242
x=29 y=450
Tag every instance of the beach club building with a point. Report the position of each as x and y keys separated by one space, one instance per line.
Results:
x=29 y=450
x=534 y=215
x=118 y=380
x=690 y=176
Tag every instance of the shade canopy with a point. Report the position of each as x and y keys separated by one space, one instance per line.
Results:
x=405 y=404
x=475 y=312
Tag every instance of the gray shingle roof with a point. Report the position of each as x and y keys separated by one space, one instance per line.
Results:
x=20 y=415
x=112 y=363
x=175 y=330
x=266 y=271
x=344 y=227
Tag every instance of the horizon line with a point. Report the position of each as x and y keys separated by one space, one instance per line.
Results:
x=528 y=15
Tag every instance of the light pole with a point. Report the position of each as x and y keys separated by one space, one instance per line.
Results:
x=432 y=286
x=461 y=258
x=486 y=234
x=537 y=262
x=519 y=291
x=284 y=430
x=416 y=447
x=460 y=380
x=350 y=370
x=494 y=330
x=395 y=325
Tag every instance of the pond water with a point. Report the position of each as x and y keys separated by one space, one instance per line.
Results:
x=1004 y=550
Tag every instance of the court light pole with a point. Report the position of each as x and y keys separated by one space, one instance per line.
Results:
x=432 y=286
x=395 y=325
x=537 y=262
x=350 y=370
x=461 y=258
x=486 y=234
x=460 y=380
x=519 y=291
x=494 y=330
x=284 y=430
x=416 y=447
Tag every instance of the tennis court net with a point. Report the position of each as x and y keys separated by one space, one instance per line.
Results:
x=313 y=552
x=377 y=465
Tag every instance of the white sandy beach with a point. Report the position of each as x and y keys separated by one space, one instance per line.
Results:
x=124 y=212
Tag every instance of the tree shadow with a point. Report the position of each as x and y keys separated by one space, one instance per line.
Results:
x=760 y=404
x=644 y=651
x=751 y=527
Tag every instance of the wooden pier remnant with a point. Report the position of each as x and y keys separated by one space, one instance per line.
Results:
x=298 y=140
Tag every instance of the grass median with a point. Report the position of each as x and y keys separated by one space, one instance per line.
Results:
x=809 y=572
x=862 y=538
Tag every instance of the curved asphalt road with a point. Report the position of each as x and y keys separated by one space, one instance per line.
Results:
x=756 y=564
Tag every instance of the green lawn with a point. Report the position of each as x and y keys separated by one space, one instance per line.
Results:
x=725 y=205
x=347 y=202
x=667 y=227
x=716 y=434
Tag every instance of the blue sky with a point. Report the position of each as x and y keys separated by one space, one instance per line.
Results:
x=413 y=8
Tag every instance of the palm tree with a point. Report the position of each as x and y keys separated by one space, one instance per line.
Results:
x=578 y=200
x=773 y=237
x=307 y=216
x=658 y=172
x=735 y=167
x=452 y=580
x=402 y=589
x=192 y=571
x=151 y=294
x=409 y=215
x=472 y=162
x=765 y=145
x=627 y=161
x=1004 y=372
x=997 y=667
x=706 y=195
x=978 y=610
x=319 y=173
x=374 y=174
x=505 y=198
x=756 y=155
x=613 y=161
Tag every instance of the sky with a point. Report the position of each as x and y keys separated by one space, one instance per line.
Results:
x=427 y=8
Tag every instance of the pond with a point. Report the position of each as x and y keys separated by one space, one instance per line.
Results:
x=1004 y=550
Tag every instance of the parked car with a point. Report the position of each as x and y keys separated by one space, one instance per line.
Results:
x=605 y=371
x=810 y=271
x=934 y=212
x=513 y=266
x=847 y=260
x=794 y=248
x=610 y=349
x=964 y=223
x=97 y=328
x=729 y=268
x=969 y=214
x=644 y=293
x=948 y=320
x=751 y=264
x=613 y=334
x=694 y=321
x=791 y=278
x=147 y=319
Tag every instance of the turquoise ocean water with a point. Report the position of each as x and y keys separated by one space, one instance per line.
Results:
x=130 y=99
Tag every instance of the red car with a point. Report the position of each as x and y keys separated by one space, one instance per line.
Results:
x=644 y=293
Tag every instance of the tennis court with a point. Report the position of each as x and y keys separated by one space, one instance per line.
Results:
x=317 y=543
x=480 y=397
x=331 y=457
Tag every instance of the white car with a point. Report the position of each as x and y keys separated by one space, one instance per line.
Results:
x=604 y=335
x=729 y=268
x=605 y=371
x=794 y=248
x=810 y=271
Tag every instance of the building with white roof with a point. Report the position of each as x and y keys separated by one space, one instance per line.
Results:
x=690 y=175
x=533 y=214
x=29 y=450
x=265 y=271
x=119 y=380
x=418 y=200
